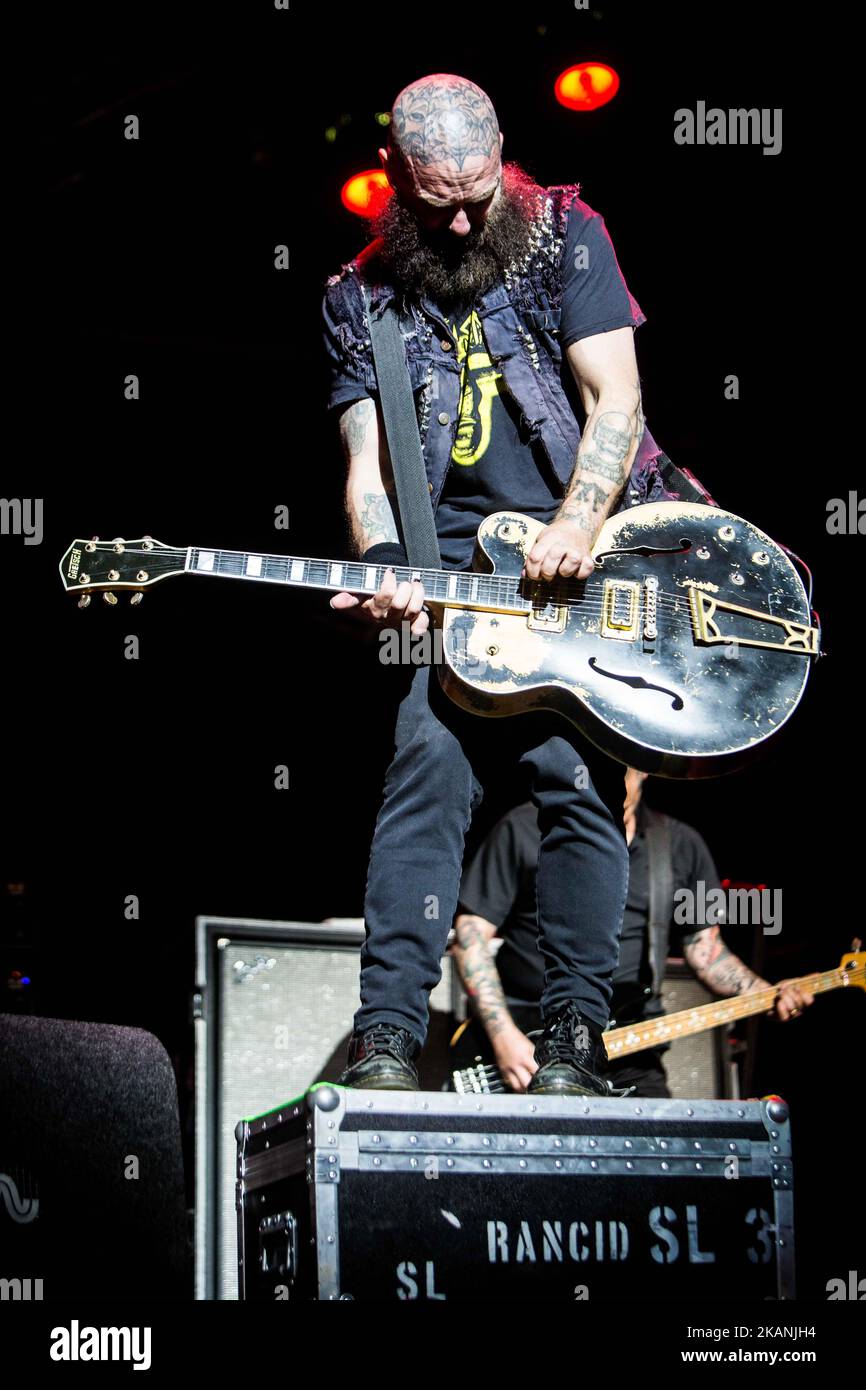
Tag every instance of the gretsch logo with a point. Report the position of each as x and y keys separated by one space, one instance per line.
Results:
x=74 y=562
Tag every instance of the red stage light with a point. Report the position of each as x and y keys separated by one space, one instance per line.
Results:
x=586 y=86
x=366 y=194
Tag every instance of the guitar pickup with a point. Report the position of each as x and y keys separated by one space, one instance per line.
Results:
x=620 y=610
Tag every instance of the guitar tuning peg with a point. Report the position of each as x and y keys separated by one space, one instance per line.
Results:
x=84 y=601
x=136 y=599
x=109 y=597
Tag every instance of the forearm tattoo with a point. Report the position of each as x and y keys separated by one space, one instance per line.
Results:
x=611 y=441
x=589 y=492
x=480 y=976
x=370 y=520
x=376 y=520
x=716 y=966
x=603 y=461
x=354 y=424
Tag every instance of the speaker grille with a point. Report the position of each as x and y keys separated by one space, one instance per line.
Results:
x=279 y=1001
x=693 y=1065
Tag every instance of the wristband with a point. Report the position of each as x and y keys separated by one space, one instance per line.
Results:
x=385 y=553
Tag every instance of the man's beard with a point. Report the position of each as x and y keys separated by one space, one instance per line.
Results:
x=452 y=270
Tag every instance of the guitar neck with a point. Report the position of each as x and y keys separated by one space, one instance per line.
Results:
x=668 y=1027
x=462 y=588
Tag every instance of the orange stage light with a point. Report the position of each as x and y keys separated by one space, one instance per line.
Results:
x=586 y=86
x=366 y=194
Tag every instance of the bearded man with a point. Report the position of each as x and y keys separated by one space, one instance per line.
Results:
x=515 y=319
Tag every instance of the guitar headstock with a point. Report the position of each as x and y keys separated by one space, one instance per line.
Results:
x=90 y=566
x=854 y=965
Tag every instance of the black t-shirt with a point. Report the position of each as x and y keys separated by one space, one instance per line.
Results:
x=595 y=296
x=499 y=885
x=493 y=463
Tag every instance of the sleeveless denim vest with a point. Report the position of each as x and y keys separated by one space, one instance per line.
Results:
x=520 y=321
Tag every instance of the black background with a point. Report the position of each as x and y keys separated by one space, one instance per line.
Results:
x=155 y=777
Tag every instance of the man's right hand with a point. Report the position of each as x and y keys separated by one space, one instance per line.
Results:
x=392 y=605
x=515 y=1057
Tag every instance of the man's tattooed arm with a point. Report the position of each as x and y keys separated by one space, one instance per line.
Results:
x=375 y=521
x=717 y=967
x=368 y=508
x=355 y=422
x=607 y=449
x=479 y=975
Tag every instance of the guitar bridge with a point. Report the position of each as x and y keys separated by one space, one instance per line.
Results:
x=547 y=617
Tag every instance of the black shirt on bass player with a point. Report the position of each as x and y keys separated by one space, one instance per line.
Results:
x=499 y=885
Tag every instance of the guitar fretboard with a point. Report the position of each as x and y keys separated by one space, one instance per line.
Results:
x=460 y=587
x=622 y=1041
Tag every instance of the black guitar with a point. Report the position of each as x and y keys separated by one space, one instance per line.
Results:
x=687 y=648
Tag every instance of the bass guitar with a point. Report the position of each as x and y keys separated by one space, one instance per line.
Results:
x=485 y=1077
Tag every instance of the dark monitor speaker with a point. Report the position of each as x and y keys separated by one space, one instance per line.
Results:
x=92 y=1200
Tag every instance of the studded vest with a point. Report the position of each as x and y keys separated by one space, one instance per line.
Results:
x=520 y=321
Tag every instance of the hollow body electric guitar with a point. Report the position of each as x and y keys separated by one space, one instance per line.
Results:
x=683 y=652
x=484 y=1075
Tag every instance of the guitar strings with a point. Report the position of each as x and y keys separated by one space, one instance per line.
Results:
x=502 y=589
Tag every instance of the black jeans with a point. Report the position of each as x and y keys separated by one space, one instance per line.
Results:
x=436 y=780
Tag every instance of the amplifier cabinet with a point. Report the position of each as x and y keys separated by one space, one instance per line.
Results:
x=273 y=1007
x=380 y=1195
x=695 y=1066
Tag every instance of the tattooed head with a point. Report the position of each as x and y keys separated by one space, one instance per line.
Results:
x=458 y=216
x=444 y=130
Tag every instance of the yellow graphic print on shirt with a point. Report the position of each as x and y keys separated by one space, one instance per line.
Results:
x=478 y=386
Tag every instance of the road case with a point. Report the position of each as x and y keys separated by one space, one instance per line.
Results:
x=354 y=1194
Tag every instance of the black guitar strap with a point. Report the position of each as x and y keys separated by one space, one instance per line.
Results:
x=683 y=482
x=404 y=441
x=661 y=892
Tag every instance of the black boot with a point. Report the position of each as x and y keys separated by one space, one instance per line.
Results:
x=382 y=1058
x=571 y=1057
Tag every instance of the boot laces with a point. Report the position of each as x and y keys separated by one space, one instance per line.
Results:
x=389 y=1036
x=559 y=1042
